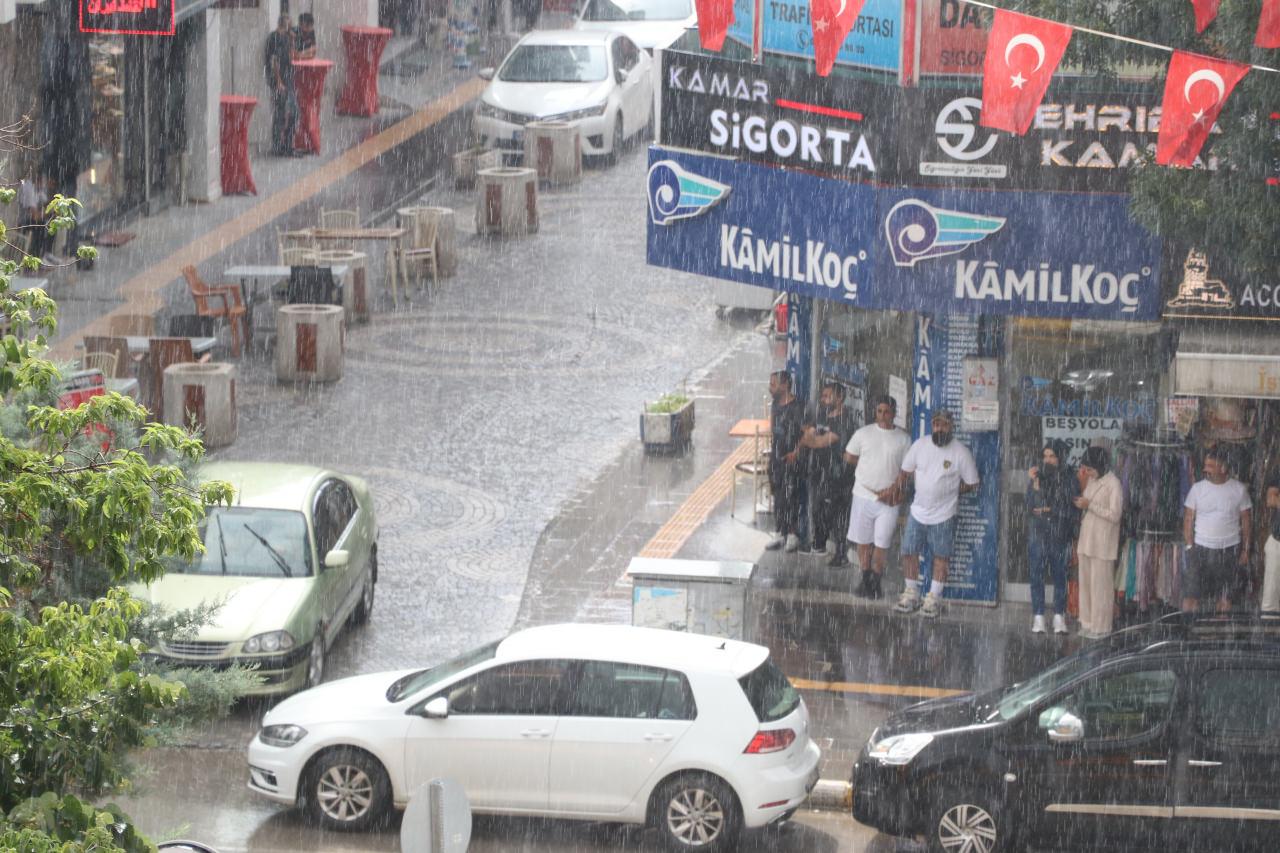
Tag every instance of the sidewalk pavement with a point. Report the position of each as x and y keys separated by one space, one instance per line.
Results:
x=854 y=660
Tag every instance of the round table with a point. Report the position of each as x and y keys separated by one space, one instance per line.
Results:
x=237 y=173
x=308 y=82
x=363 y=47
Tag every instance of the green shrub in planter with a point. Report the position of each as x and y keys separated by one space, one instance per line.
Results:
x=667 y=423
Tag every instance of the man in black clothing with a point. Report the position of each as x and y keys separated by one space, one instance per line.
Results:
x=278 y=65
x=785 y=473
x=830 y=480
x=306 y=40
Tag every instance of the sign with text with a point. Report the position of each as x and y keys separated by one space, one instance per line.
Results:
x=1199 y=285
x=1080 y=433
x=127 y=17
x=953 y=37
x=874 y=42
x=940 y=251
x=981 y=396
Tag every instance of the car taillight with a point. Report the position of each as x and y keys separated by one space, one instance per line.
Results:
x=771 y=740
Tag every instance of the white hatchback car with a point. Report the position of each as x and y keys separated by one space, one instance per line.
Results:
x=599 y=79
x=696 y=735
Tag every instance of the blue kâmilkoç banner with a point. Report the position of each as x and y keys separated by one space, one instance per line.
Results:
x=1031 y=254
x=874 y=42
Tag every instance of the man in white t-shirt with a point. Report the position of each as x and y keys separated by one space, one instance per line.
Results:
x=877 y=450
x=1217 y=526
x=943 y=469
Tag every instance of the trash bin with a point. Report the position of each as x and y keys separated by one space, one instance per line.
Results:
x=698 y=596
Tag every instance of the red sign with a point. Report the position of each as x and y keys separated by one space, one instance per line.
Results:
x=127 y=17
x=953 y=37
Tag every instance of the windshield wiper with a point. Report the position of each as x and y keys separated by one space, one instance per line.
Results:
x=275 y=555
x=222 y=543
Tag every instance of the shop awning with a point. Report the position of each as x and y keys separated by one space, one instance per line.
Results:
x=1227 y=363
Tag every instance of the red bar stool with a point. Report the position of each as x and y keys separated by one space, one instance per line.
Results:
x=363 y=47
x=237 y=174
x=308 y=81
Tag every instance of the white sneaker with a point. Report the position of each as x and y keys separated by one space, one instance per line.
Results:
x=932 y=607
x=1037 y=624
x=793 y=543
x=830 y=549
x=908 y=602
x=776 y=542
x=1059 y=624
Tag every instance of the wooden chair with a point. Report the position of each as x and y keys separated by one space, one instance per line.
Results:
x=340 y=219
x=119 y=347
x=103 y=361
x=164 y=352
x=284 y=243
x=297 y=256
x=124 y=325
x=230 y=309
x=422 y=248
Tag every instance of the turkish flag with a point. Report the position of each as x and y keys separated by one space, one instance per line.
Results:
x=1195 y=89
x=831 y=21
x=1206 y=11
x=1268 y=34
x=714 y=18
x=1022 y=54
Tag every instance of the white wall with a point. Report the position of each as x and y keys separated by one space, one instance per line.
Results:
x=204 y=113
x=244 y=37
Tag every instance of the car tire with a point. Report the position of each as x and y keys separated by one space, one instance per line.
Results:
x=364 y=606
x=968 y=821
x=619 y=137
x=316 y=659
x=698 y=811
x=347 y=790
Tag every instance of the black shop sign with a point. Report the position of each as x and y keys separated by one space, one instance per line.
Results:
x=1199 y=285
x=127 y=17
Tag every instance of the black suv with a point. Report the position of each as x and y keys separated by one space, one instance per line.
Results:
x=1160 y=735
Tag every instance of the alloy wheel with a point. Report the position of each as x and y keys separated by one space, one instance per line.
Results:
x=695 y=817
x=967 y=828
x=344 y=793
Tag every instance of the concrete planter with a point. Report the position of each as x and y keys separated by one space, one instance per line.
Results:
x=506 y=202
x=309 y=343
x=667 y=430
x=203 y=395
x=471 y=160
x=554 y=149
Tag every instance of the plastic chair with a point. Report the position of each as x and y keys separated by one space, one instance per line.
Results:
x=340 y=219
x=231 y=308
x=125 y=325
x=119 y=347
x=297 y=256
x=102 y=361
x=285 y=243
x=422 y=249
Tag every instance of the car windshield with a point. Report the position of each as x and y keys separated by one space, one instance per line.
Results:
x=645 y=10
x=555 y=63
x=770 y=693
x=1021 y=696
x=251 y=542
x=415 y=681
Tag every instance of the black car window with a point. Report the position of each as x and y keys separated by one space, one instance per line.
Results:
x=524 y=688
x=342 y=506
x=607 y=689
x=1123 y=705
x=1239 y=707
x=770 y=693
x=630 y=53
x=322 y=520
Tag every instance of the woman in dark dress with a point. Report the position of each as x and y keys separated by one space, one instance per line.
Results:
x=1051 y=525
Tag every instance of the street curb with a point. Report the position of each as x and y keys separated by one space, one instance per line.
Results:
x=831 y=795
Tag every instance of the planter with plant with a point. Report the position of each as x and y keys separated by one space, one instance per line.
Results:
x=667 y=423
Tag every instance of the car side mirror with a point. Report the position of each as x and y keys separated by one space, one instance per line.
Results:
x=336 y=559
x=436 y=709
x=621 y=75
x=1067 y=728
x=486 y=73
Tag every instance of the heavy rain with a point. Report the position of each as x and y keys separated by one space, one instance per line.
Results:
x=583 y=425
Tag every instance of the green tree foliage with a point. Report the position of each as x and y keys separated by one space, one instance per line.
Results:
x=73 y=698
x=1231 y=210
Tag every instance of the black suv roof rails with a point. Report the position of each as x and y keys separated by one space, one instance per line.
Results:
x=1234 y=625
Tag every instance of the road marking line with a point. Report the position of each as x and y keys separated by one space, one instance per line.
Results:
x=696 y=508
x=140 y=292
x=875 y=689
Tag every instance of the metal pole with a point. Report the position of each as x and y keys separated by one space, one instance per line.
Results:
x=757 y=32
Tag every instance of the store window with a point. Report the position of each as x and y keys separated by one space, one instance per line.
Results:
x=102 y=182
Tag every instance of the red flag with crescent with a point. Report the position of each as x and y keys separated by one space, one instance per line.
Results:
x=1268 y=34
x=1022 y=54
x=831 y=21
x=1206 y=11
x=1195 y=89
x=714 y=19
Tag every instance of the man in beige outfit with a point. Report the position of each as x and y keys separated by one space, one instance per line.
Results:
x=1101 y=505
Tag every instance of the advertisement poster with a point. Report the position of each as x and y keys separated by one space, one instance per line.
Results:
x=874 y=42
x=1181 y=413
x=1081 y=433
x=953 y=37
x=981 y=406
x=127 y=17
x=898 y=391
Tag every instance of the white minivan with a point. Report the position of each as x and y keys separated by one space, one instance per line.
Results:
x=696 y=735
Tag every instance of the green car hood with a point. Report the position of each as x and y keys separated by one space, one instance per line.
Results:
x=251 y=605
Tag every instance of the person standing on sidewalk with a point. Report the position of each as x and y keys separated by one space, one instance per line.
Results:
x=1271 y=553
x=1102 y=504
x=1217 y=525
x=305 y=42
x=944 y=469
x=875 y=454
x=829 y=477
x=785 y=473
x=1051 y=525
x=278 y=58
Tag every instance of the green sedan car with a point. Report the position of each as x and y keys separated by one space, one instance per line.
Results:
x=291 y=563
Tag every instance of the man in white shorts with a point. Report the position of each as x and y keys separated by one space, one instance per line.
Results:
x=877 y=450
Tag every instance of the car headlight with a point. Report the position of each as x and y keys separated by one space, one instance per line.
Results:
x=286 y=735
x=486 y=110
x=271 y=641
x=588 y=112
x=898 y=749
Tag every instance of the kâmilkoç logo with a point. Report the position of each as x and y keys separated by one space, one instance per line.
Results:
x=917 y=231
x=677 y=194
